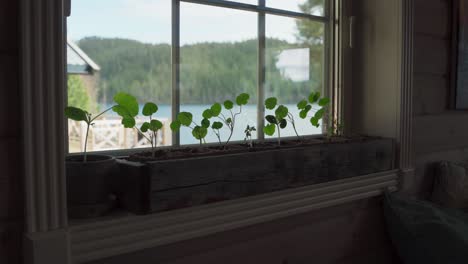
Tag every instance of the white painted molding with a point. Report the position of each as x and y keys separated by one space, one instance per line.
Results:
x=406 y=93
x=42 y=90
x=119 y=236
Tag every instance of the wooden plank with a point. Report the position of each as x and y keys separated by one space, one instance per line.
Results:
x=432 y=17
x=442 y=132
x=430 y=94
x=431 y=55
x=9 y=26
x=188 y=182
x=9 y=99
x=10 y=194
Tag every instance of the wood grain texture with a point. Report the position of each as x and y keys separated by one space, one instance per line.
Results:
x=187 y=182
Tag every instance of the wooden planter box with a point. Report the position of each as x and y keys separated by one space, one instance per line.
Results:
x=170 y=184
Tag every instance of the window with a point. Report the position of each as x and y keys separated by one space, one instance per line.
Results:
x=185 y=55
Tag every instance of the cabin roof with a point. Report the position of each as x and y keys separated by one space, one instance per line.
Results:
x=78 y=62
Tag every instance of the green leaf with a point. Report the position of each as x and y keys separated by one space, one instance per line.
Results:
x=269 y=129
x=271 y=119
x=314 y=97
x=185 y=118
x=319 y=114
x=324 y=101
x=315 y=121
x=228 y=104
x=242 y=99
x=229 y=120
x=205 y=123
x=207 y=114
x=149 y=109
x=175 y=125
x=199 y=132
x=75 y=113
x=155 y=125
x=216 y=109
x=144 y=127
x=270 y=103
x=283 y=123
x=127 y=102
x=217 y=125
x=303 y=113
x=302 y=104
x=281 y=112
x=128 y=122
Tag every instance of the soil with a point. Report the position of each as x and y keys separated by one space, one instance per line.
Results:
x=203 y=151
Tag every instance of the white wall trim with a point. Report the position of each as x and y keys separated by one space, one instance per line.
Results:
x=43 y=39
x=406 y=153
x=119 y=236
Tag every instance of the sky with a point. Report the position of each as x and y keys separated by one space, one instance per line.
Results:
x=149 y=21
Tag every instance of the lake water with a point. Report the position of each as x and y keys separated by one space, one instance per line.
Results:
x=247 y=117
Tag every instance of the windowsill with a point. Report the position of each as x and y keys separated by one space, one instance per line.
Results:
x=120 y=234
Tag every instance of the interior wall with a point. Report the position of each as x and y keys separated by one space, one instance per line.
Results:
x=440 y=133
x=351 y=233
x=11 y=206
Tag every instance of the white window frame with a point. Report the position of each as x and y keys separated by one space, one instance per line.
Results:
x=49 y=238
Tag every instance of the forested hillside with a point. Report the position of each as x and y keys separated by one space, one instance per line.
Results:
x=209 y=71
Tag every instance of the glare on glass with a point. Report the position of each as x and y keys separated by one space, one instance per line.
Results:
x=218 y=62
x=294 y=66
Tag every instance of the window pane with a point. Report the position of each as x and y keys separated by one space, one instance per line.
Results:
x=313 y=7
x=118 y=46
x=294 y=65
x=218 y=62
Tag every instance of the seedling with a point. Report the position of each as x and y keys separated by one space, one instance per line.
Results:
x=313 y=101
x=152 y=126
x=228 y=120
x=277 y=121
x=199 y=132
x=126 y=106
x=248 y=135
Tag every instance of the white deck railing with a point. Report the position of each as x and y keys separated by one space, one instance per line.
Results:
x=109 y=134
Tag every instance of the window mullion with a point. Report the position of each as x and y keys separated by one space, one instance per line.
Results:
x=261 y=73
x=175 y=107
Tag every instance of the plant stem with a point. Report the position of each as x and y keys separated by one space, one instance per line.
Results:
x=279 y=135
x=85 y=157
x=105 y=111
x=291 y=120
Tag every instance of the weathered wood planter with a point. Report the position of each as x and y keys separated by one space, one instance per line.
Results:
x=169 y=184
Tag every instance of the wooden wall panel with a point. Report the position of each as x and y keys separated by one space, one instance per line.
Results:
x=8 y=22
x=431 y=55
x=9 y=96
x=11 y=205
x=431 y=18
x=351 y=233
x=430 y=94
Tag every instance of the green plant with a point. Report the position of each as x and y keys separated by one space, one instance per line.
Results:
x=314 y=100
x=125 y=105
x=229 y=120
x=277 y=121
x=152 y=126
x=248 y=135
x=199 y=132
